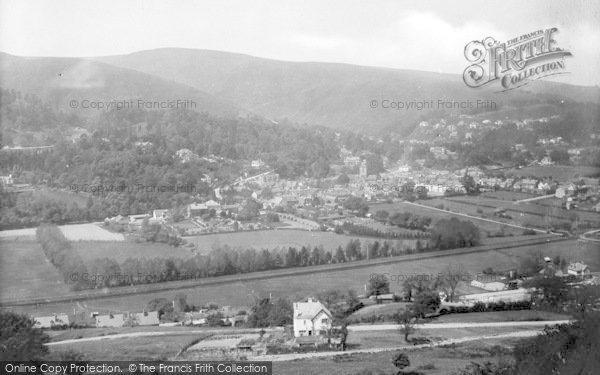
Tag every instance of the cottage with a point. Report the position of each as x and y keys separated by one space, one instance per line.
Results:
x=311 y=318
x=56 y=320
x=146 y=318
x=493 y=286
x=516 y=295
x=110 y=320
x=196 y=209
x=579 y=269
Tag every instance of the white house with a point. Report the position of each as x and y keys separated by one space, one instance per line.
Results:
x=579 y=269
x=311 y=318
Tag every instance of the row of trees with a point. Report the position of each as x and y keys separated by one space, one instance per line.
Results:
x=105 y=272
x=362 y=230
x=225 y=260
x=61 y=254
x=405 y=220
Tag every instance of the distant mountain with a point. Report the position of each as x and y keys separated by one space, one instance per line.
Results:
x=333 y=95
x=58 y=81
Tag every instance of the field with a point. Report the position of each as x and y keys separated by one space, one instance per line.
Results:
x=133 y=348
x=120 y=250
x=281 y=238
x=89 y=232
x=300 y=286
x=430 y=361
x=437 y=215
x=25 y=272
x=558 y=172
x=530 y=210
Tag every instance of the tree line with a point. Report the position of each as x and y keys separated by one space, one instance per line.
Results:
x=60 y=253
x=223 y=260
x=362 y=230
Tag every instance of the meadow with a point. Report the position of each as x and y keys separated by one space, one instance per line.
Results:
x=25 y=272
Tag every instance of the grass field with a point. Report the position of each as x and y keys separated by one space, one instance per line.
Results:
x=25 y=272
x=536 y=209
x=300 y=286
x=282 y=238
x=89 y=232
x=500 y=316
x=484 y=226
x=494 y=316
x=120 y=251
x=134 y=348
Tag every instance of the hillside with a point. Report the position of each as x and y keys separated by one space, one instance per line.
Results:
x=57 y=81
x=328 y=94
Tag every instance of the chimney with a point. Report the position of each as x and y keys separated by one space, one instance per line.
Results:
x=310 y=300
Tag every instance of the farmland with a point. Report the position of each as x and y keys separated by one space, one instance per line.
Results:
x=25 y=272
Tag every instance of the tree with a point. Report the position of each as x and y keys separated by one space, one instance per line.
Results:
x=381 y=215
x=265 y=313
x=19 y=339
x=357 y=205
x=406 y=319
x=343 y=179
x=453 y=233
x=249 y=210
x=400 y=360
x=425 y=304
x=559 y=156
x=339 y=256
x=378 y=284
x=449 y=279
x=469 y=183
x=417 y=283
x=564 y=349
x=215 y=320
x=162 y=305
x=553 y=290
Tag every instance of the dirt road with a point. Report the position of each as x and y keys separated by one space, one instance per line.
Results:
x=355 y=328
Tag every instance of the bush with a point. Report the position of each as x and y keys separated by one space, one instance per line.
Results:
x=478 y=307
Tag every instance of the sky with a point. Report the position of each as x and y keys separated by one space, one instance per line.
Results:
x=423 y=35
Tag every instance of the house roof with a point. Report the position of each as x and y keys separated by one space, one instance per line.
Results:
x=197 y=206
x=309 y=310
